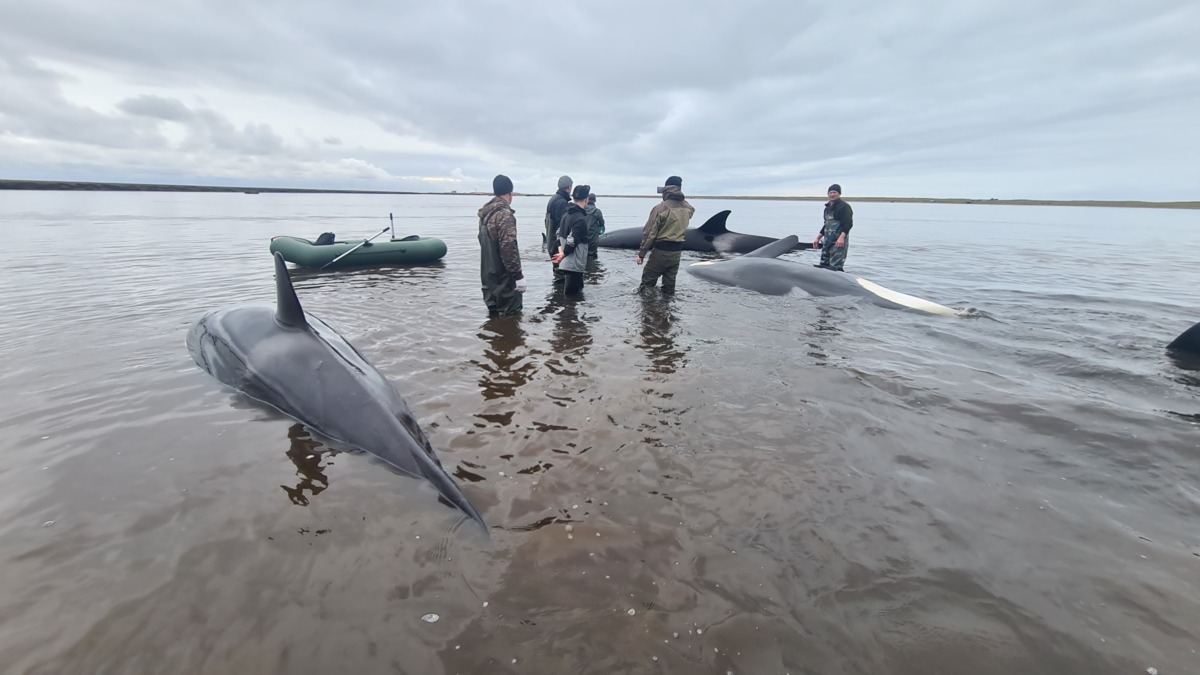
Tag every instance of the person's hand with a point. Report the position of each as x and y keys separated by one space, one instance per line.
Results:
x=841 y=240
x=817 y=242
x=557 y=258
x=639 y=260
x=521 y=285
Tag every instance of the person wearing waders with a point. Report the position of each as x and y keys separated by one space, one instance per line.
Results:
x=663 y=234
x=555 y=208
x=595 y=226
x=573 y=239
x=499 y=258
x=834 y=237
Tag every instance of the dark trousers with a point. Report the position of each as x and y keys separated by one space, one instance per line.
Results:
x=574 y=282
x=832 y=256
x=663 y=264
x=502 y=298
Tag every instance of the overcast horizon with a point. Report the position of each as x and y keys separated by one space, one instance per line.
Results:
x=989 y=99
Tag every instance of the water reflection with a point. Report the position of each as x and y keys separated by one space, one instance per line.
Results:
x=304 y=454
x=658 y=332
x=570 y=338
x=594 y=273
x=506 y=365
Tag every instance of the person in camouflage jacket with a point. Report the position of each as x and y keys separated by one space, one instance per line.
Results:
x=500 y=273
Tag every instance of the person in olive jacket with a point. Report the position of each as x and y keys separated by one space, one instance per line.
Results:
x=663 y=234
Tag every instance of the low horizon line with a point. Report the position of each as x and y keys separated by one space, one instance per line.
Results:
x=109 y=186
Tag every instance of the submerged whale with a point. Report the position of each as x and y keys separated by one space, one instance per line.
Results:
x=713 y=235
x=1187 y=345
x=290 y=360
x=761 y=271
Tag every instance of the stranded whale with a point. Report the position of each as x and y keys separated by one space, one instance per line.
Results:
x=713 y=235
x=760 y=271
x=292 y=361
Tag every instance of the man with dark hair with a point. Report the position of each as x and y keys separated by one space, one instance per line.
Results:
x=500 y=272
x=573 y=236
x=663 y=233
x=834 y=237
x=555 y=208
x=595 y=226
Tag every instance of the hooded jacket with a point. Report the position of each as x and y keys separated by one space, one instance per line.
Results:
x=573 y=235
x=555 y=208
x=667 y=223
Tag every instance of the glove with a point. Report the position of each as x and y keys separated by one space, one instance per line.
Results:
x=521 y=285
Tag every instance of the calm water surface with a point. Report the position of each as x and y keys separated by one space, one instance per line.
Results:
x=721 y=482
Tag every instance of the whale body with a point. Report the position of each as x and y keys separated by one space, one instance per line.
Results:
x=292 y=361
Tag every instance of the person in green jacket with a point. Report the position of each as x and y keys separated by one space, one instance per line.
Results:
x=500 y=273
x=595 y=225
x=663 y=234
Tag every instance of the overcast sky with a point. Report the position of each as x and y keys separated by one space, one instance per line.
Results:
x=979 y=98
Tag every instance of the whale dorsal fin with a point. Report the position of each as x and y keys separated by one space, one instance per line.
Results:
x=1187 y=342
x=287 y=306
x=715 y=225
x=775 y=248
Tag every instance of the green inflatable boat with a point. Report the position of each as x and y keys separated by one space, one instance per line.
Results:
x=407 y=251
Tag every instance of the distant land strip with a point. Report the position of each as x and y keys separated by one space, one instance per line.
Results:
x=152 y=187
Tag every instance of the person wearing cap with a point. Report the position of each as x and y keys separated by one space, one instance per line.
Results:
x=663 y=234
x=834 y=237
x=595 y=226
x=500 y=272
x=573 y=240
x=555 y=208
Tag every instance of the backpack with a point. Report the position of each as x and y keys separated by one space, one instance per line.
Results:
x=325 y=239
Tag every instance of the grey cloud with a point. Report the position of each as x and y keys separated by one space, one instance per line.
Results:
x=740 y=96
x=156 y=107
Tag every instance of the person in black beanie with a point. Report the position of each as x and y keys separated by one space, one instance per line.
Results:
x=834 y=237
x=573 y=238
x=500 y=274
x=663 y=234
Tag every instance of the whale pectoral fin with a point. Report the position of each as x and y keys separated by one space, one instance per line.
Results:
x=905 y=300
x=775 y=248
x=715 y=225
x=406 y=419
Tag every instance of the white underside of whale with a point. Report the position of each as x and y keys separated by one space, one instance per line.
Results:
x=910 y=301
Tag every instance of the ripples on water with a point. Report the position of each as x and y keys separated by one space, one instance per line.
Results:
x=770 y=484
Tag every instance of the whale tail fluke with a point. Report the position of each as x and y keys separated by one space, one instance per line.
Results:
x=775 y=248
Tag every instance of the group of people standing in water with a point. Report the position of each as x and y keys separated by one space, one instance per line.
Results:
x=573 y=227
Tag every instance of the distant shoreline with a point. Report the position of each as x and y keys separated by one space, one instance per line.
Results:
x=50 y=185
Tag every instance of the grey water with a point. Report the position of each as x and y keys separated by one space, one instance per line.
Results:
x=716 y=482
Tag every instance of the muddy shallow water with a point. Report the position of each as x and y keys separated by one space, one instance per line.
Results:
x=717 y=482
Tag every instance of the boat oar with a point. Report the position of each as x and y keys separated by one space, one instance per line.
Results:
x=393 y=222
x=364 y=243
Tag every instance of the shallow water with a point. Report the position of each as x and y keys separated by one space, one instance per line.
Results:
x=720 y=482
